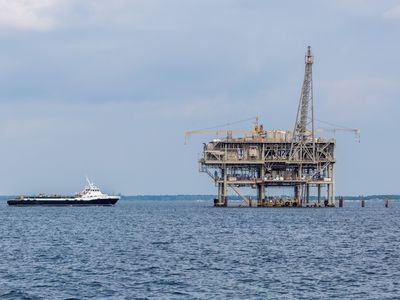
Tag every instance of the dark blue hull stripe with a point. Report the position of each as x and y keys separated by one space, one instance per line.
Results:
x=98 y=202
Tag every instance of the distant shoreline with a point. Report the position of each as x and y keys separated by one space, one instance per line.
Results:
x=232 y=197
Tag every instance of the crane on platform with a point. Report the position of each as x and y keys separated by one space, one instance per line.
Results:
x=356 y=131
x=258 y=129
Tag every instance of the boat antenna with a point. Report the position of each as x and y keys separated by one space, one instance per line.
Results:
x=88 y=181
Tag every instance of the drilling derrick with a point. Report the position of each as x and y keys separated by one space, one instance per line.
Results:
x=305 y=113
x=270 y=159
x=310 y=158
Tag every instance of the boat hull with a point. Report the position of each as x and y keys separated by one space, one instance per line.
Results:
x=59 y=202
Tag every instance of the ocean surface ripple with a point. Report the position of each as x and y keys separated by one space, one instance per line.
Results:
x=190 y=250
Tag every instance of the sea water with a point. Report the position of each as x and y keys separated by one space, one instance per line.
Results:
x=190 y=250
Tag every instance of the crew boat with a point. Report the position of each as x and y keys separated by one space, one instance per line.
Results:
x=91 y=195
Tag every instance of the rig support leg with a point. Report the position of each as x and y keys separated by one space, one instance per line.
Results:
x=261 y=187
x=260 y=194
x=219 y=201
x=297 y=195
x=319 y=195
x=333 y=202
x=225 y=189
x=328 y=194
x=331 y=187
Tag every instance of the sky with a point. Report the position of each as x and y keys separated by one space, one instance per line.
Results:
x=107 y=88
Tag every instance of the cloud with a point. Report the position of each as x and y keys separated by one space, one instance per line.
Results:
x=26 y=14
x=362 y=98
x=393 y=12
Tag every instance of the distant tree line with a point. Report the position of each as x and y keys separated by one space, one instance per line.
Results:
x=234 y=197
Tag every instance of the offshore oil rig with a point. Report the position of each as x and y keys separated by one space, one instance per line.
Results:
x=267 y=159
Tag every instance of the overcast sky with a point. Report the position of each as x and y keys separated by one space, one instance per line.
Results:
x=107 y=88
